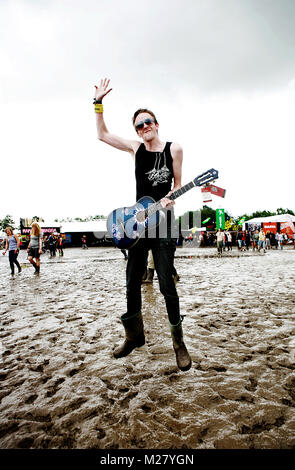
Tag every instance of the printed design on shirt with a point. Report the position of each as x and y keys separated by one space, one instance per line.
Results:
x=159 y=175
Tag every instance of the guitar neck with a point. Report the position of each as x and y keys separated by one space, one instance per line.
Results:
x=179 y=192
x=182 y=190
x=201 y=180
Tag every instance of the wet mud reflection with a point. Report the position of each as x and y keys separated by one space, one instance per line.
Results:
x=60 y=386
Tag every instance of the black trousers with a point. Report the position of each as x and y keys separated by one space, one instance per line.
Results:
x=163 y=250
x=13 y=260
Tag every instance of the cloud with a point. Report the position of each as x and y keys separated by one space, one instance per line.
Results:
x=219 y=74
x=59 y=47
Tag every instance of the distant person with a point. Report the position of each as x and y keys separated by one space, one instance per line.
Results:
x=60 y=243
x=243 y=240
x=240 y=239
x=219 y=239
x=35 y=247
x=272 y=238
x=248 y=240
x=279 y=240
x=150 y=271
x=12 y=246
x=229 y=241
x=51 y=245
x=267 y=240
x=84 y=242
x=261 y=240
x=149 y=274
x=255 y=238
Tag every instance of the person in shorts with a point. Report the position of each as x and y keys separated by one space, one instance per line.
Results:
x=35 y=247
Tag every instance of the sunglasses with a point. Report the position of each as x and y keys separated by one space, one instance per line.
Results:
x=146 y=121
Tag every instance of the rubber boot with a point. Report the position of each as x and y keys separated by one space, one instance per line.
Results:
x=37 y=270
x=183 y=359
x=150 y=276
x=134 y=335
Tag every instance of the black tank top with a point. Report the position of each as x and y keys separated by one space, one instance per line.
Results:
x=153 y=172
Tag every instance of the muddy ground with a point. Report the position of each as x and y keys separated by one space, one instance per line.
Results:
x=60 y=387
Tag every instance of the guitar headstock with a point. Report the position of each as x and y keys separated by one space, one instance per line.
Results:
x=206 y=177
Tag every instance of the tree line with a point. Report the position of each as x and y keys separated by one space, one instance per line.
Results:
x=208 y=216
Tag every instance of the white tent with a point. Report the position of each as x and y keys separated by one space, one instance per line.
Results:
x=79 y=227
x=272 y=218
x=282 y=218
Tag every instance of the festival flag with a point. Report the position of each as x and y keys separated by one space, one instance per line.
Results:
x=220 y=219
x=206 y=193
x=205 y=221
x=217 y=191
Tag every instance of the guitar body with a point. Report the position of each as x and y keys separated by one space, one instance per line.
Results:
x=127 y=224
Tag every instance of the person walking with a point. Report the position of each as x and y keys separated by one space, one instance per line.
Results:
x=148 y=276
x=239 y=239
x=12 y=246
x=60 y=245
x=219 y=239
x=229 y=241
x=51 y=245
x=35 y=247
x=267 y=240
x=279 y=240
x=261 y=240
x=255 y=238
x=248 y=240
x=84 y=242
x=157 y=164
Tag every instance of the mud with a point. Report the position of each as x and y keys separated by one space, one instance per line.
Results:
x=60 y=387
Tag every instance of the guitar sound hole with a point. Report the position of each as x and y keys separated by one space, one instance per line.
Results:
x=140 y=216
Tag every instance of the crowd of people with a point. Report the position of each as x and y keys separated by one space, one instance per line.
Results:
x=244 y=240
x=53 y=243
x=38 y=244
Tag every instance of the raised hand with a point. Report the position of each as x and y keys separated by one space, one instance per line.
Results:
x=102 y=90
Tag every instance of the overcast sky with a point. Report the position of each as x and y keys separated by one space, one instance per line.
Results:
x=219 y=75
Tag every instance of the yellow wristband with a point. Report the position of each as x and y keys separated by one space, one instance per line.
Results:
x=98 y=108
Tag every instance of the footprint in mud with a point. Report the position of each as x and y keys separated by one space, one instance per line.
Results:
x=3 y=375
x=36 y=368
x=25 y=443
x=125 y=401
x=8 y=428
x=54 y=388
x=253 y=385
x=76 y=370
x=72 y=406
x=31 y=399
x=262 y=426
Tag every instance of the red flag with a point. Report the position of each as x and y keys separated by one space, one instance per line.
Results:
x=217 y=191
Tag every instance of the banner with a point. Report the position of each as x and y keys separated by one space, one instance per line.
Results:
x=217 y=191
x=206 y=193
x=270 y=227
x=220 y=219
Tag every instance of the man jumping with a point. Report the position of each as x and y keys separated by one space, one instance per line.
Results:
x=157 y=164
